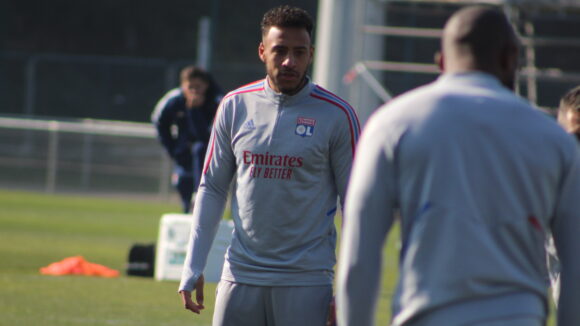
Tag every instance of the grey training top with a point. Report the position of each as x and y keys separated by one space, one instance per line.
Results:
x=291 y=157
x=479 y=177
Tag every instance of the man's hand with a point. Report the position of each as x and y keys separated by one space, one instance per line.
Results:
x=188 y=304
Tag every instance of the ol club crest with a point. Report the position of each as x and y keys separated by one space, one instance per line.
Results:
x=305 y=127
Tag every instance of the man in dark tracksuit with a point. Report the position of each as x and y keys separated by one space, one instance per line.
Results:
x=183 y=119
x=569 y=119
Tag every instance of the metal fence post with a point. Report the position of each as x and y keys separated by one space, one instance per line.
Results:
x=52 y=157
x=87 y=161
x=30 y=80
x=164 y=175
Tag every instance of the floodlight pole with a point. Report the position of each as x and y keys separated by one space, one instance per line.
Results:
x=204 y=43
x=330 y=55
x=340 y=44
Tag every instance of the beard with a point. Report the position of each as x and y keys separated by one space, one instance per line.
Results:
x=289 y=88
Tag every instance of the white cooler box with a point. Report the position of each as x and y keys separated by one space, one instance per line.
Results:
x=174 y=232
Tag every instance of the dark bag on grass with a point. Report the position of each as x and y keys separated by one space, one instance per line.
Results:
x=141 y=260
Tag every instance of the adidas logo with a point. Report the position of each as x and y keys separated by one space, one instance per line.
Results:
x=249 y=125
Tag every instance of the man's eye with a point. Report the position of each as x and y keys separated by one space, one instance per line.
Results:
x=300 y=53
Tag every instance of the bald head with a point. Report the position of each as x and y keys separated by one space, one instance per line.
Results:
x=481 y=39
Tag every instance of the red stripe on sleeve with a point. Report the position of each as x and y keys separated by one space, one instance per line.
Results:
x=352 y=137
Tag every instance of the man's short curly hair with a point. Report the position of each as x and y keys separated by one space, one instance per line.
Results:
x=287 y=16
x=571 y=100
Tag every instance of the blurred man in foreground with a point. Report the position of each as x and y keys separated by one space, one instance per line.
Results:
x=479 y=178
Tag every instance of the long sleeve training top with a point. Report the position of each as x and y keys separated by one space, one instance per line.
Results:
x=291 y=158
x=479 y=177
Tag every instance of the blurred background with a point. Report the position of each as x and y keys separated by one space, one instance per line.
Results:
x=79 y=79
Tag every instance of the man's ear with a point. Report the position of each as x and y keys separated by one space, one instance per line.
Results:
x=439 y=60
x=311 y=54
x=509 y=59
x=261 y=50
x=508 y=66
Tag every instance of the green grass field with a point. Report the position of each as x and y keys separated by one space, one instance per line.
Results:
x=38 y=229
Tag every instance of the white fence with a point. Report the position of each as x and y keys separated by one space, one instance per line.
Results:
x=92 y=156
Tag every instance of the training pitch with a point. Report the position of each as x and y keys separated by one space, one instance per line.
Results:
x=37 y=229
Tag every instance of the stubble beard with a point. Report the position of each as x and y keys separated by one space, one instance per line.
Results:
x=295 y=89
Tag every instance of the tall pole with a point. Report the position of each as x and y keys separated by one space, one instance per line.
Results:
x=213 y=32
x=341 y=46
x=204 y=43
x=330 y=56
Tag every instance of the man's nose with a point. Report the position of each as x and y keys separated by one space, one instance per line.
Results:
x=289 y=61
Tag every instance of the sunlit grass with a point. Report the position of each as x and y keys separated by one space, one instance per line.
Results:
x=38 y=229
